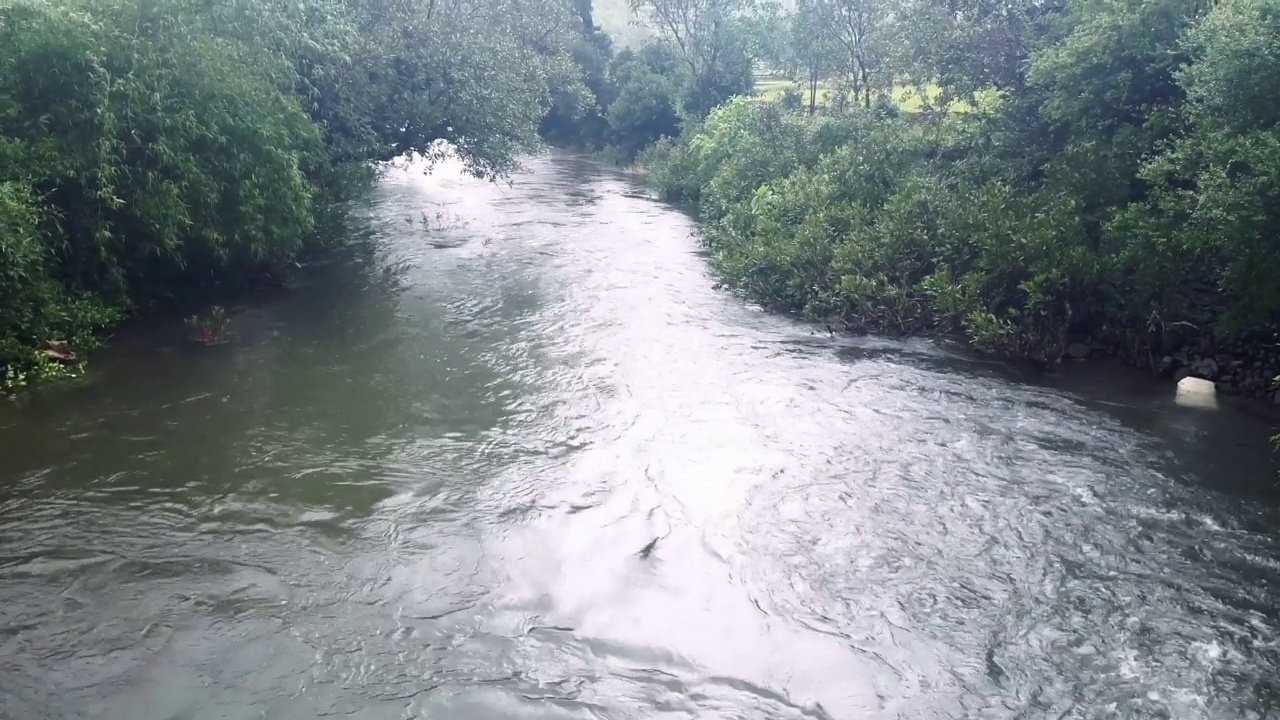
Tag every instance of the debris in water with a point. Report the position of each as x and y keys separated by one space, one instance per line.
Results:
x=59 y=350
x=647 y=550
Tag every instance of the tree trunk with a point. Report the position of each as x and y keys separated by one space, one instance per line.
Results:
x=866 y=84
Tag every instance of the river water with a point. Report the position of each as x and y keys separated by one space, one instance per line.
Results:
x=427 y=482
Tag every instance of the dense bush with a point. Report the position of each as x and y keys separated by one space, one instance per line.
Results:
x=156 y=157
x=33 y=305
x=1214 y=211
x=1124 y=183
x=150 y=149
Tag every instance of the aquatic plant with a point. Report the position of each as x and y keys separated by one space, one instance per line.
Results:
x=211 y=329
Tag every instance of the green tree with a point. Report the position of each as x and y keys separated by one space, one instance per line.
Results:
x=1121 y=182
x=151 y=149
x=812 y=52
x=647 y=105
x=712 y=40
x=1211 y=218
x=577 y=115
x=859 y=32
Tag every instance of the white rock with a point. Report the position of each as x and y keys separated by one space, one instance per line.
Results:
x=1195 y=392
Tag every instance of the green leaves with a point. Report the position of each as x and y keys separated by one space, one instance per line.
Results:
x=155 y=148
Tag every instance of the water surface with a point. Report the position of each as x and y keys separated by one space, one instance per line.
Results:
x=427 y=482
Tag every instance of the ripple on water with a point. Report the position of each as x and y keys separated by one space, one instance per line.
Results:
x=519 y=460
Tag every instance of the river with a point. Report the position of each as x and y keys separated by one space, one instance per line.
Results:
x=428 y=481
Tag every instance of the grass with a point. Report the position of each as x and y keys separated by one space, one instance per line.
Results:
x=909 y=98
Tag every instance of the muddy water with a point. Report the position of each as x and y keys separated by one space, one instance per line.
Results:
x=509 y=455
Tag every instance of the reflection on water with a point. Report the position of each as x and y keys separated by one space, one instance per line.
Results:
x=420 y=484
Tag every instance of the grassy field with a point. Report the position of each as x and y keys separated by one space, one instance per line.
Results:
x=908 y=97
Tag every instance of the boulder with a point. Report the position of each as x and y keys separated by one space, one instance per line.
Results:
x=1206 y=368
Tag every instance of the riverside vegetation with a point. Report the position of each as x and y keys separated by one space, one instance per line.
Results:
x=1119 y=194
x=153 y=151
x=1046 y=179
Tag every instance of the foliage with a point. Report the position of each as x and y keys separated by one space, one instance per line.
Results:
x=1124 y=182
x=1212 y=215
x=812 y=52
x=627 y=102
x=716 y=41
x=647 y=99
x=33 y=305
x=154 y=149
x=577 y=117
x=859 y=33
x=211 y=329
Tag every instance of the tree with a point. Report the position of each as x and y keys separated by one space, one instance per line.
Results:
x=579 y=101
x=967 y=46
x=859 y=29
x=767 y=29
x=646 y=108
x=811 y=52
x=477 y=75
x=1214 y=202
x=712 y=40
x=152 y=148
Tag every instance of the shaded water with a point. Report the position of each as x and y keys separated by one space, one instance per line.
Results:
x=420 y=485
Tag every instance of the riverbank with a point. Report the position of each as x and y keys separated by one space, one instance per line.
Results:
x=151 y=151
x=882 y=224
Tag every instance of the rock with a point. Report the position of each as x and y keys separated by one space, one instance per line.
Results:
x=1205 y=368
x=1181 y=357
x=1195 y=392
x=1166 y=365
x=1078 y=350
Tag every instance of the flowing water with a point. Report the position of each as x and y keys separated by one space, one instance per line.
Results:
x=512 y=456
